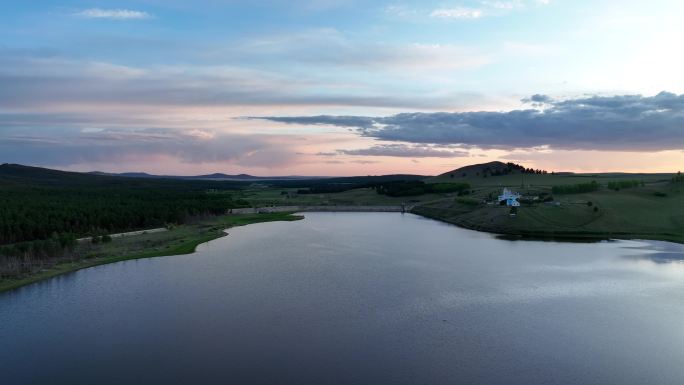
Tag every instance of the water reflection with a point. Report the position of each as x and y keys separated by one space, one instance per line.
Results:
x=550 y=238
x=357 y=298
x=657 y=251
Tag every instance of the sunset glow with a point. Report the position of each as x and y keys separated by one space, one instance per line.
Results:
x=273 y=88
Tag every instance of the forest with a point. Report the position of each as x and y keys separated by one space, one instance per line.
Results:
x=38 y=204
x=412 y=188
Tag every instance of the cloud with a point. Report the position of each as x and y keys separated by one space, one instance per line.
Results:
x=488 y=8
x=329 y=47
x=538 y=100
x=400 y=10
x=457 y=13
x=340 y=121
x=114 y=14
x=358 y=161
x=618 y=123
x=32 y=79
x=72 y=146
x=405 y=151
x=507 y=5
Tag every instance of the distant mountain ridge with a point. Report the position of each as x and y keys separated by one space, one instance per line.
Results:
x=17 y=173
x=214 y=176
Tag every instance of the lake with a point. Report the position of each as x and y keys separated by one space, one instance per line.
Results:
x=357 y=298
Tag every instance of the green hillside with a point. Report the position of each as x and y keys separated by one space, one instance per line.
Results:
x=481 y=175
x=653 y=209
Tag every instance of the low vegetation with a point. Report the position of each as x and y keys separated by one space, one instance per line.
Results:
x=464 y=200
x=624 y=184
x=578 y=188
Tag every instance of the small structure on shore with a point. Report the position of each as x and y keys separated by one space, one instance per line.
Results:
x=510 y=197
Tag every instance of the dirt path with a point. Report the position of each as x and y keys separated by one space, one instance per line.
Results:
x=119 y=235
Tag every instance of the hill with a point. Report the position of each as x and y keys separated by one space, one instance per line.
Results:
x=18 y=174
x=499 y=174
x=481 y=169
x=621 y=205
x=39 y=176
x=214 y=176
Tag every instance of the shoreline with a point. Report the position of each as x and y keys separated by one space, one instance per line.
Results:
x=324 y=208
x=559 y=236
x=272 y=214
x=186 y=246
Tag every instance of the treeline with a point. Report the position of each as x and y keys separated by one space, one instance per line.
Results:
x=510 y=167
x=500 y=169
x=576 y=188
x=46 y=205
x=624 y=184
x=594 y=186
x=25 y=257
x=393 y=188
x=340 y=184
x=31 y=213
x=41 y=249
x=330 y=188
x=412 y=188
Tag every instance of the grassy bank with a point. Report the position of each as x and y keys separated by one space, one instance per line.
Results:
x=630 y=214
x=652 y=208
x=179 y=240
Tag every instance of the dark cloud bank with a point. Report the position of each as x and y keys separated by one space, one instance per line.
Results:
x=403 y=150
x=617 y=123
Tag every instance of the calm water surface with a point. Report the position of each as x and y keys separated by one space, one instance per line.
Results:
x=349 y=298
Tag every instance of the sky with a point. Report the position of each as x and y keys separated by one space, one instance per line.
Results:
x=341 y=87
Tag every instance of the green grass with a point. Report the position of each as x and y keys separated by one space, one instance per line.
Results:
x=176 y=241
x=548 y=180
x=629 y=213
x=626 y=214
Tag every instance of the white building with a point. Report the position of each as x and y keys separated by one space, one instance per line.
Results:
x=510 y=197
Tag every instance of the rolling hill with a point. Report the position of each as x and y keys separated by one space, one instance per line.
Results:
x=214 y=176
x=490 y=168
x=501 y=174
